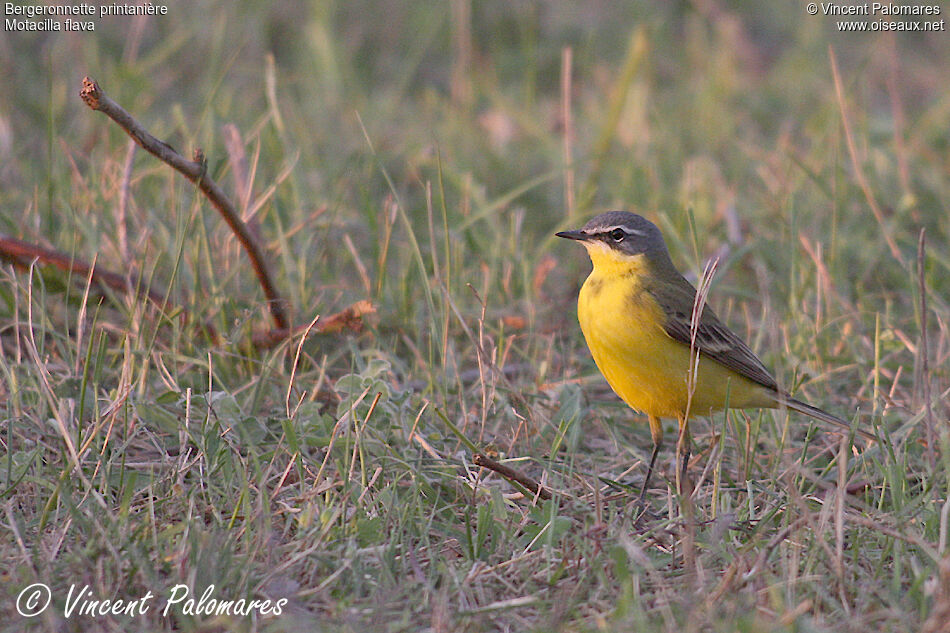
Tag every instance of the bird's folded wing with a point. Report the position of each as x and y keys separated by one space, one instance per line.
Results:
x=713 y=339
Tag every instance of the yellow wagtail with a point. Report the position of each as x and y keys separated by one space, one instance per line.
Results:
x=635 y=310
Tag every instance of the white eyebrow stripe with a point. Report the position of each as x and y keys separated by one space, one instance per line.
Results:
x=625 y=229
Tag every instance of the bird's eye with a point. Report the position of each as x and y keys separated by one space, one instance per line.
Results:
x=617 y=235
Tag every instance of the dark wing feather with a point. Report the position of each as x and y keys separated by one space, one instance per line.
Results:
x=713 y=339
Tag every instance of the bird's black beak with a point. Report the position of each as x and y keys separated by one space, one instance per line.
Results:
x=573 y=235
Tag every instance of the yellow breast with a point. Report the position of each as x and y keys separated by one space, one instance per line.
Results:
x=647 y=368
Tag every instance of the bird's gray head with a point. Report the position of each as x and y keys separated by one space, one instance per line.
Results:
x=621 y=232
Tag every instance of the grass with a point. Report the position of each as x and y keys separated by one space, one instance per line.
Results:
x=413 y=154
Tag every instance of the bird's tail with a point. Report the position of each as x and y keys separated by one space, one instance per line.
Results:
x=818 y=414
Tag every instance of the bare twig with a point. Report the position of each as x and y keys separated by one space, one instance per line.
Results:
x=195 y=171
x=21 y=254
x=350 y=318
x=511 y=474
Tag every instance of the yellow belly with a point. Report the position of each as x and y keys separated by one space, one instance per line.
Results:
x=645 y=366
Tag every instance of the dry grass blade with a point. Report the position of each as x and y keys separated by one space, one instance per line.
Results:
x=923 y=351
x=856 y=162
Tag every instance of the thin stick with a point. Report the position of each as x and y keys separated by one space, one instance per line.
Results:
x=511 y=474
x=349 y=318
x=195 y=171
x=22 y=253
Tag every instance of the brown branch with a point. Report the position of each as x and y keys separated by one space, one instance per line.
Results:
x=350 y=318
x=21 y=254
x=511 y=474
x=195 y=171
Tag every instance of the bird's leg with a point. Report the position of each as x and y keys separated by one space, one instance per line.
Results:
x=683 y=484
x=656 y=431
